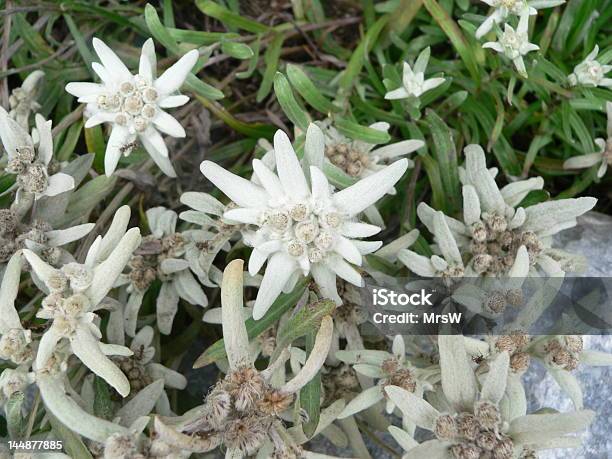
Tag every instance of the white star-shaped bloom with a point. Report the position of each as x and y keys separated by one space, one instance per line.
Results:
x=590 y=72
x=134 y=104
x=301 y=228
x=502 y=9
x=413 y=79
x=514 y=44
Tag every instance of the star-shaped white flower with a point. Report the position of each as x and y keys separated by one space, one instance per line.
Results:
x=514 y=44
x=75 y=292
x=301 y=228
x=590 y=72
x=603 y=157
x=413 y=79
x=29 y=157
x=134 y=104
x=502 y=9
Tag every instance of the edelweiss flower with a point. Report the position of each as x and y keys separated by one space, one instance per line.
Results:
x=514 y=44
x=22 y=100
x=134 y=104
x=29 y=158
x=160 y=256
x=502 y=9
x=414 y=83
x=301 y=229
x=391 y=369
x=242 y=412
x=494 y=230
x=590 y=72
x=477 y=423
x=75 y=292
x=360 y=159
x=603 y=157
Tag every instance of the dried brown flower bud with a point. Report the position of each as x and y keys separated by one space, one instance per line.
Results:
x=246 y=387
x=504 y=448
x=519 y=362
x=467 y=426
x=487 y=414
x=514 y=297
x=481 y=262
x=465 y=451
x=496 y=302
x=486 y=440
x=445 y=427
x=574 y=343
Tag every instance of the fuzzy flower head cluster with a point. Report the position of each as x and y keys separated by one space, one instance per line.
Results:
x=161 y=257
x=603 y=157
x=590 y=72
x=135 y=105
x=243 y=411
x=514 y=43
x=75 y=291
x=414 y=83
x=498 y=237
x=501 y=10
x=358 y=158
x=29 y=158
x=298 y=227
x=479 y=418
x=22 y=100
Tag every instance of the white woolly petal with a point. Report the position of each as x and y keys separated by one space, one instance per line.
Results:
x=540 y=427
x=412 y=407
x=147 y=67
x=416 y=263
x=119 y=138
x=358 y=229
x=107 y=272
x=202 y=202
x=58 y=183
x=362 y=401
x=86 y=348
x=57 y=238
x=458 y=380
x=69 y=413
x=316 y=358
x=173 y=101
x=160 y=157
x=367 y=191
x=397 y=149
x=141 y=404
x=189 y=289
x=241 y=191
x=288 y=167
x=280 y=268
x=110 y=60
x=347 y=250
x=12 y=134
x=168 y=124
x=173 y=78
x=166 y=307
x=41 y=268
x=172 y=379
x=268 y=179
x=235 y=335
x=494 y=385
x=344 y=270
x=326 y=280
x=79 y=89
x=45 y=141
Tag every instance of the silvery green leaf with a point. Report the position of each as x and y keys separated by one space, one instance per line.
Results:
x=115 y=349
x=71 y=415
x=142 y=403
x=335 y=435
x=197 y=217
x=57 y=238
x=189 y=289
x=314 y=147
x=458 y=380
x=362 y=401
x=368 y=370
x=494 y=385
x=541 y=427
x=412 y=407
x=43 y=270
x=329 y=415
x=84 y=199
x=426 y=215
x=570 y=385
